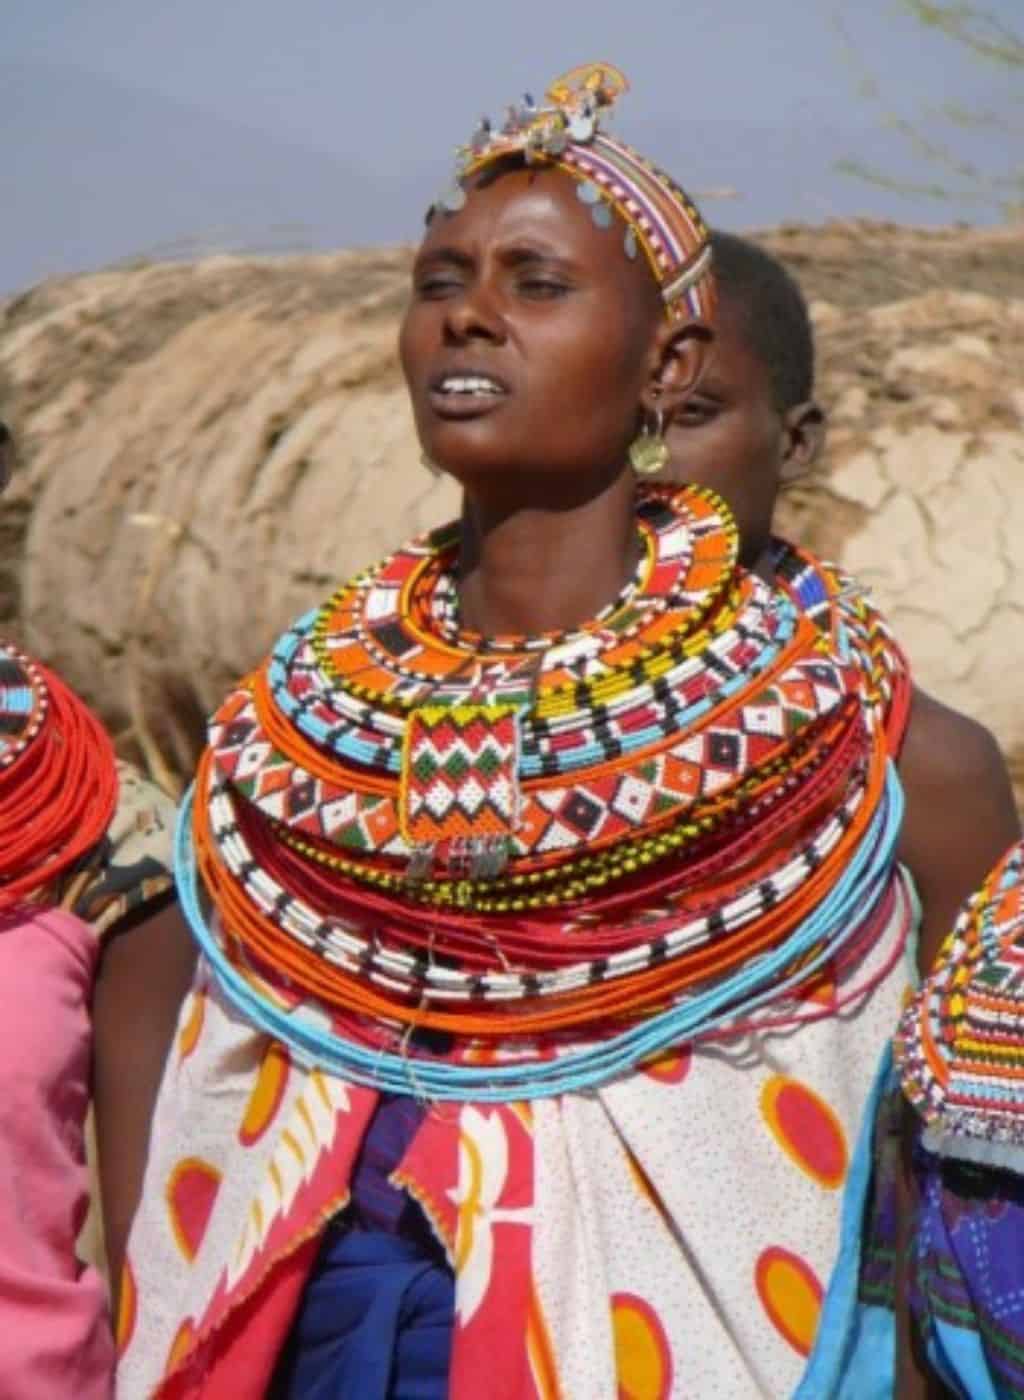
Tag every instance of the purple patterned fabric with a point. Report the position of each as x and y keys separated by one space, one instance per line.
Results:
x=376 y=1204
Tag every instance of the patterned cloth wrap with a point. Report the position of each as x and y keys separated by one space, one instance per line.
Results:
x=131 y=867
x=960 y=1051
x=649 y=1201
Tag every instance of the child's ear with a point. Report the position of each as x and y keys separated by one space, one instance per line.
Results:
x=805 y=439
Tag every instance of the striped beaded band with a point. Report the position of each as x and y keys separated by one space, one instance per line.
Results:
x=665 y=220
x=564 y=132
x=339 y=942
x=383 y=1060
x=378 y=638
x=352 y=812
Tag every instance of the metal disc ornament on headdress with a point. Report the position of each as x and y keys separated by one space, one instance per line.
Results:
x=566 y=131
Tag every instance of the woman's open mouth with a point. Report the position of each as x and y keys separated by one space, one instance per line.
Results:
x=466 y=394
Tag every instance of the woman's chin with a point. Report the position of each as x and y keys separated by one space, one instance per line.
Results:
x=470 y=455
x=474 y=471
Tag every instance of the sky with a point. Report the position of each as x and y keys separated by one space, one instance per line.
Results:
x=144 y=130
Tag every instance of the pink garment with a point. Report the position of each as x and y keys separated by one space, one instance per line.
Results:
x=55 y=1335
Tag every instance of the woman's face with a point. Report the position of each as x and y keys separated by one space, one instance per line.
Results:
x=529 y=337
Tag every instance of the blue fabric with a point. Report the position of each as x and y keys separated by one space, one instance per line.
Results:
x=375 y=1323
x=957 y=1355
x=855 y=1347
x=870 y=1369
x=376 y=1315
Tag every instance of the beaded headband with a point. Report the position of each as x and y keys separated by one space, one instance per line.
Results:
x=565 y=132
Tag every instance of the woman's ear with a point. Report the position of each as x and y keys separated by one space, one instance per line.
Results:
x=679 y=357
x=804 y=439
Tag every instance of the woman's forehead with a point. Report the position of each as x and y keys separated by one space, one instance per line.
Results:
x=522 y=210
x=734 y=361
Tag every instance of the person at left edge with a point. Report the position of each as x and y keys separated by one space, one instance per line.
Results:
x=85 y=848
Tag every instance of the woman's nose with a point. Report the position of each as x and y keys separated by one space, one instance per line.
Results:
x=474 y=315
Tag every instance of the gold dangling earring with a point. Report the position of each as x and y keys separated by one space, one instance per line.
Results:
x=648 y=452
x=430 y=465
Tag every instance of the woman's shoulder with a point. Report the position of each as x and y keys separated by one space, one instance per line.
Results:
x=944 y=745
x=960 y=812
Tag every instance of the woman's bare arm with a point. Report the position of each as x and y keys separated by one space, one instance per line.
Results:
x=144 y=975
x=960 y=815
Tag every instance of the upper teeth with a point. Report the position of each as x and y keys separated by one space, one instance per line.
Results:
x=469 y=384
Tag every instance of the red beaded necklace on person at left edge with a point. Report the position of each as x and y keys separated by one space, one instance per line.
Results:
x=58 y=780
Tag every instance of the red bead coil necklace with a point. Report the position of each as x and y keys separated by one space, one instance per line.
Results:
x=58 y=779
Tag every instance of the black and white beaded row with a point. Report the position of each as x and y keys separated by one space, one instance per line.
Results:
x=663 y=527
x=413 y=974
x=376 y=614
x=667 y=541
x=764 y=616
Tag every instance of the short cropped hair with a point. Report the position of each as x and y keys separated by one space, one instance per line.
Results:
x=774 y=312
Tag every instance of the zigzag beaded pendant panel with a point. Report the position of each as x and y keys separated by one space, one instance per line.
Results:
x=459 y=778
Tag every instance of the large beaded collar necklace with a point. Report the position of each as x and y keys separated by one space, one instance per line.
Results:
x=564 y=851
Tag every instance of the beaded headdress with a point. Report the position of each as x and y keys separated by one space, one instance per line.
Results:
x=565 y=131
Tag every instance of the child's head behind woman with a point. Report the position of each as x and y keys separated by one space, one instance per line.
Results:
x=751 y=423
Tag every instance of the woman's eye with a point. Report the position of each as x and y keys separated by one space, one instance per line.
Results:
x=432 y=288
x=542 y=287
x=693 y=412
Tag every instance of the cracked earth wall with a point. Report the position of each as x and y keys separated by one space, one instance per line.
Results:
x=207 y=448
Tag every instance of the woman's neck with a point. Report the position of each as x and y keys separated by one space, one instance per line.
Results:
x=764 y=566
x=527 y=570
